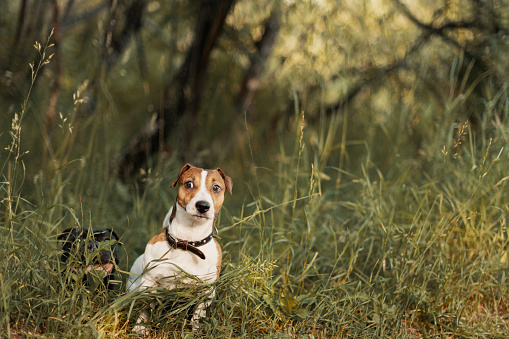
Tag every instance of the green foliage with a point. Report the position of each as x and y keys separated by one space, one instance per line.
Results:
x=400 y=254
x=383 y=219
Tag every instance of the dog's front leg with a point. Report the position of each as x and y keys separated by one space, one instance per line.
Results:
x=141 y=329
x=201 y=310
x=143 y=317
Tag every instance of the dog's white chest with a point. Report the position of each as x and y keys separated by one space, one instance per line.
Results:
x=171 y=267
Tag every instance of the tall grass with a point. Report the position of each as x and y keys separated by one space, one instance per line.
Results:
x=399 y=248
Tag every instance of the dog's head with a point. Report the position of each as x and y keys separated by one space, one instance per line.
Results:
x=201 y=191
x=90 y=249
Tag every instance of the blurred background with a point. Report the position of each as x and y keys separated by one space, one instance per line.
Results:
x=116 y=95
x=144 y=81
x=367 y=142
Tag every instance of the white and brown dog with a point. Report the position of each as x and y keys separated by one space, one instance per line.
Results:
x=186 y=248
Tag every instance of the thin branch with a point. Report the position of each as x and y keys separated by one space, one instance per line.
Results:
x=251 y=80
x=70 y=21
x=182 y=95
x=67 y=10
x=21 y=18
x=115 y=41
x=441 y=31
x=368 y=74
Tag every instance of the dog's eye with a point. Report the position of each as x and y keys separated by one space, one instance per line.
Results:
x=216 y=188
x=188 y=184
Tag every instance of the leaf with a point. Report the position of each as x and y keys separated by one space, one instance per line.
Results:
x=302 y=313
x=270 y=302
x=504 y=258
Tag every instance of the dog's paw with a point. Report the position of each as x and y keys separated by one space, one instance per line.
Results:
x=141 y=330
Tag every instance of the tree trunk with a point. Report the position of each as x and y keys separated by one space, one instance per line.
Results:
x=251 y=80
x=182 y=96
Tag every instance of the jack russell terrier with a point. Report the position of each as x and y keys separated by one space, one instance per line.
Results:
x=186 y=245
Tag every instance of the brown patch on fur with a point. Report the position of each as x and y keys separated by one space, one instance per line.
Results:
x=158 y=238
x=184 y=194
x=182 y=171
x=227 y=180
x=213 y=177
x=219 y=257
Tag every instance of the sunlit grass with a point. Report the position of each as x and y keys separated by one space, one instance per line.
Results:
x=401 y=248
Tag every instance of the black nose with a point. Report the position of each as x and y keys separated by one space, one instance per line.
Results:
x=202 y=206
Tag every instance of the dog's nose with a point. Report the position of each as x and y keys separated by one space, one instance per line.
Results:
x=202 y=206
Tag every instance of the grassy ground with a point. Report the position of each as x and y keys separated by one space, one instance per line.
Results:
x=412 y=247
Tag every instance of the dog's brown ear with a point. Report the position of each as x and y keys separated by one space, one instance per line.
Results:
x=182 y=171
x=227 y=180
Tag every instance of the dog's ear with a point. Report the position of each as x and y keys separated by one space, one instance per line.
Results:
x=227 y=180
x=182 y=171
x=68 y=234
x=102 y=234
x=113 y=234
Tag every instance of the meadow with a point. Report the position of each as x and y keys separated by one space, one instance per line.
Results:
x=386 y=219
x=310 y=251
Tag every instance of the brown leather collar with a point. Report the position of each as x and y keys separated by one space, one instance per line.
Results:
x=190 y=246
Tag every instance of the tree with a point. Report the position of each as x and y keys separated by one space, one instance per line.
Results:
x=183 y=94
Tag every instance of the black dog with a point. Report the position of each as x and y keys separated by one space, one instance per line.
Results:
x=88 y=249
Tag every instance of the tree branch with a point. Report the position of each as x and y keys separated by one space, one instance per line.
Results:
x=68 y=22
x=251 y=80
x=182 y=96
x=469 y=53
x=429 y=29
x=115 y=41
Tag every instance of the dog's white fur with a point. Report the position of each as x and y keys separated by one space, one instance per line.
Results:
x=163 y=265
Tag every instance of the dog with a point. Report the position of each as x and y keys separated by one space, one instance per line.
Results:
x=87 y=250
x=186 y=248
